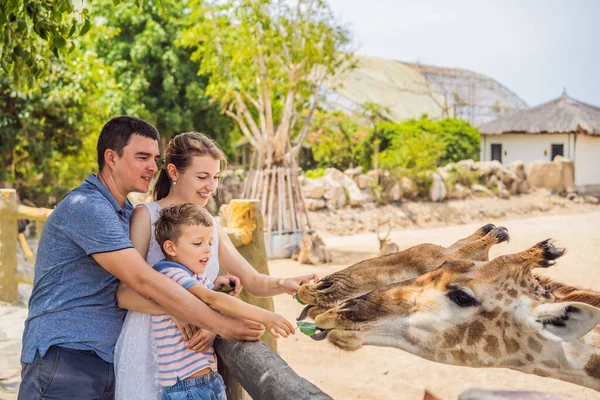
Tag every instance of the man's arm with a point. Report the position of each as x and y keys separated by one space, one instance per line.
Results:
x=129 y=267
x=131 y=300
x=140 y=228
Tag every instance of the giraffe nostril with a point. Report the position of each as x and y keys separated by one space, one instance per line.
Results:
x=347 y=305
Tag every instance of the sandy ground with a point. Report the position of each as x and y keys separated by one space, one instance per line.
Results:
x=387 y=373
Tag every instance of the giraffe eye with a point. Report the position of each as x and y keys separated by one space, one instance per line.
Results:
x=462 y=298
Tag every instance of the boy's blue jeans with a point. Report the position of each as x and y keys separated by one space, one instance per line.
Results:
x=206 y=387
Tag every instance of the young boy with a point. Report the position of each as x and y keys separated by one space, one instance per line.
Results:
x=185 y=234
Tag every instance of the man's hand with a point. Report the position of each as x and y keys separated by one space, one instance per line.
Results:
x=240 y=330
x=202 y=340
x=291 y=285
x=228 y=280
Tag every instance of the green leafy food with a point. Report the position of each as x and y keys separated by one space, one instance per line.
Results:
x=226 y=289
x=308 y=328
x=298 y=299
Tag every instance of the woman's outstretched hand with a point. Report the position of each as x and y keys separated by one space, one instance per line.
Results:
x=291 y=285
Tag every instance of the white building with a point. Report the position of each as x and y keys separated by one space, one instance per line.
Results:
x=563 y=126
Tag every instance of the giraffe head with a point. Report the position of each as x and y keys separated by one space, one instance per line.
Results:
x=470 y=313
x=381 y=271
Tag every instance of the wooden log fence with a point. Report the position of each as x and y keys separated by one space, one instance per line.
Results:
x=10 y=212
x=254 y=366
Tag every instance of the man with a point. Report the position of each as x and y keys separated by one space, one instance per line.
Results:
x=84 y=251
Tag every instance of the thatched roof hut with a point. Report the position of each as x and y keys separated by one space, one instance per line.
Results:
x=563 y=115
x=562 y=127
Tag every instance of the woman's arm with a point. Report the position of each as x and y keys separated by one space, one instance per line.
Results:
x=140 y=234
x=259 y=285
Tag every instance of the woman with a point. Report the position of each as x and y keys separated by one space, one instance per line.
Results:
x=191 y=174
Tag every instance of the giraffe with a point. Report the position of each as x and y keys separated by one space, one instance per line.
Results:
x=481 y=314
x=371 y=274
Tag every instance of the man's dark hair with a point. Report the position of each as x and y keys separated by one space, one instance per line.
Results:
x=117 y=132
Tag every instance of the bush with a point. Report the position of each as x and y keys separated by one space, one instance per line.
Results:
x=315 y=173
x=423 y=144
x=337 y=140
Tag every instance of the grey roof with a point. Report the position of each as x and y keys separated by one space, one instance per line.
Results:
x=563 y=115
x=473 y=96
x=410 y=90
x=396 y=86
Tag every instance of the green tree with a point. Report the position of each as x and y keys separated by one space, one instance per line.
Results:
x=159 y=81
x=267 y=61
x=33 y=30
x=48 y=134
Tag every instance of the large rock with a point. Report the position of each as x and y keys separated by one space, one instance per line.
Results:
x=437 y=191
x=334 y=196
x=409 y=188
x=394 y=193
x=353 y=172
x=314 y=188
x=517 y=168
x=558 y=174
x=315 y=204
x=459 y=192
x=481 y=190
x=355 y=196
x=365 y=181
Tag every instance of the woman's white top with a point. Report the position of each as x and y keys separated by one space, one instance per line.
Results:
x=136 y=363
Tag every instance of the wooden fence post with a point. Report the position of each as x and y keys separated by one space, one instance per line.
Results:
x=243 y=222
x=264 y=374
x=244 y=225
x=8 y=245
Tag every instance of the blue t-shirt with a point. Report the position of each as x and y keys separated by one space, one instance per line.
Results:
x=73 y=302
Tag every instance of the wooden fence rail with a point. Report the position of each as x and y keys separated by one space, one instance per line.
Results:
x=10 y=212
x=251 y=363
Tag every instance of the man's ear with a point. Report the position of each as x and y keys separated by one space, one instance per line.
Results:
x=169 y=248
x=565 y=321
x=109 y=157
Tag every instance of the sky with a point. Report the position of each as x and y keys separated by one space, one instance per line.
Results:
x=534 y=47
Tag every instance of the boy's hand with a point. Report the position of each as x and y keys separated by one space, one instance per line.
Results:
x=202 y=340
x=291 y=285
x=187 y=330
x=228 y=280
x=278 y=325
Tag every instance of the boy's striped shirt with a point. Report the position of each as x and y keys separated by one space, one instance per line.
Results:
x=175 y=360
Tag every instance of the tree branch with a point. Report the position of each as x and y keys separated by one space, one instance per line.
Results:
x=242 y=110
x=244 y=129
x=266 y=92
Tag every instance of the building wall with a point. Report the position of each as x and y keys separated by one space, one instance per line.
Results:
x=587 y=166
x=584 y=150
x=526 y=147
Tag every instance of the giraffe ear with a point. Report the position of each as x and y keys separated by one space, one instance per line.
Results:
x=565 y=321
